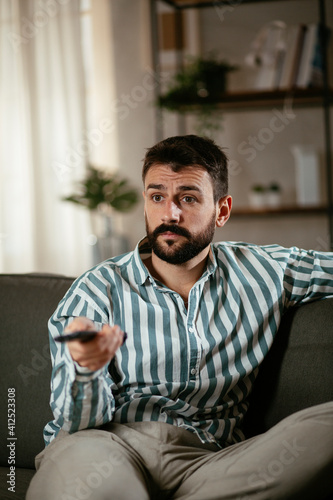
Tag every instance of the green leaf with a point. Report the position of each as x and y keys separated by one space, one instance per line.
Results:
x=103 y=188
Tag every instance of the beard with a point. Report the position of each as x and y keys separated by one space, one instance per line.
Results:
x=174 y=252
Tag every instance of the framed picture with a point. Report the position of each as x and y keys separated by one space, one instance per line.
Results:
x=179 y=34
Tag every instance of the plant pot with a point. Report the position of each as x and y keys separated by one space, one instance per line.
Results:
x=257 y=200
x=273 y=199
x=214 y=82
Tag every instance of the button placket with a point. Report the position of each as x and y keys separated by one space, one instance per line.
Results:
x=194 y=338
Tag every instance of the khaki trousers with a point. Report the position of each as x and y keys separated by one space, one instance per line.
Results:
x=152 y=460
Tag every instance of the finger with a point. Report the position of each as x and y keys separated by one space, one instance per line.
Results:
x=99 y=351
x=113 y=332
x=86 y=350
x=79 y=323
x=111 y=339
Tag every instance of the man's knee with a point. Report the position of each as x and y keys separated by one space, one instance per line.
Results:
x=84 y=465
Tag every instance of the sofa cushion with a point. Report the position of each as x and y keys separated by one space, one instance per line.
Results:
x=26 y=303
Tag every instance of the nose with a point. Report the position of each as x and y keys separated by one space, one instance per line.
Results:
x=171 y=213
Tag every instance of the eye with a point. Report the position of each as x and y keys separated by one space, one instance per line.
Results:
x=189 y=199
x=157 y=198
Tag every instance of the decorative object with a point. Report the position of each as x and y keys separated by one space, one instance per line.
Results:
x=104 y=194
x=307 y=174
x=262 y=196
x=197 y=88
x=267 y=55
x=257 y=196
x=273 y=195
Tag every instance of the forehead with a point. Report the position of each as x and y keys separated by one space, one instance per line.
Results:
x=191 y=176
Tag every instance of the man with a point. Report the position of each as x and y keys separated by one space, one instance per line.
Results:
x=159 y=416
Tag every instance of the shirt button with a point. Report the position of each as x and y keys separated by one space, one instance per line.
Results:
x=191 y=329
x=193 y=371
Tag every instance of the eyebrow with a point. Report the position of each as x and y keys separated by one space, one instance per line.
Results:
x=161 y=187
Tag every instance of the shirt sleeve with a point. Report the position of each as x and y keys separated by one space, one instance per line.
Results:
x=308 y=274
x=80 y=398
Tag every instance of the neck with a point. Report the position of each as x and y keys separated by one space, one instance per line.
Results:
x=178 y=277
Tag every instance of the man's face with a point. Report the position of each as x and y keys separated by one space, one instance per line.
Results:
x=180 y=212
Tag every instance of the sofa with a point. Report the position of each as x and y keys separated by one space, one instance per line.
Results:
x=297 y=373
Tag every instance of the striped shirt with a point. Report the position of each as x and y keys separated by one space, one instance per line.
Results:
x=192 y=367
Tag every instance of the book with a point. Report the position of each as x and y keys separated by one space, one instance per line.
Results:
x=293 y=42
x=316 y=78
x=307 y=57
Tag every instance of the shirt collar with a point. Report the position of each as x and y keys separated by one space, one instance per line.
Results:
x=211 y=263
x=143 y=251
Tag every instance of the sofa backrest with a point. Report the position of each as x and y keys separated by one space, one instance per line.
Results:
x=298 y=371
x=26 y=304
x=296 y=374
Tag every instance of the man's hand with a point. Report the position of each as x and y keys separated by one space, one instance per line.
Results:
x=97 y=352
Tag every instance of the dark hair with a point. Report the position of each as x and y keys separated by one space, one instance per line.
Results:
x=190 y=150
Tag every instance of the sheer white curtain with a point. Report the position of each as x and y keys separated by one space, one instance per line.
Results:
x=43 y=150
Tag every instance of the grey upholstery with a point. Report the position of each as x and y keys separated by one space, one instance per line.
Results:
x=298 y=372
x=26 y=303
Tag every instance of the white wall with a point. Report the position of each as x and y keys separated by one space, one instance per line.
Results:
x=135 y=85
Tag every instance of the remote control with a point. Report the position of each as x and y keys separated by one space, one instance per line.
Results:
x=81 y=335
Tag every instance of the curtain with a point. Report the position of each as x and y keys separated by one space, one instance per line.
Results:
x=43 y=148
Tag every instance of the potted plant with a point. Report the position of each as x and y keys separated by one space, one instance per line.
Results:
x=104 y=191
x=257 y=196
x=273 y=195
x=261 y=196
x=103 y=194
x=197 y=88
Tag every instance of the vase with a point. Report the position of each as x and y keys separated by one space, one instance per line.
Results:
x=257 y=200
x=106 y=241
x=307 y=174
x=273 y=199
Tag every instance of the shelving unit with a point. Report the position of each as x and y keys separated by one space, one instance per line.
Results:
x=253 y=100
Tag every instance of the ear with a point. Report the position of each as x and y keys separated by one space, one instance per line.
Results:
x=223 y=210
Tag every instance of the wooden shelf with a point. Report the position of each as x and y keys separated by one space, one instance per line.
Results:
x=280 y=211
x=297 y=97
x=262 y=99
x=190 y=4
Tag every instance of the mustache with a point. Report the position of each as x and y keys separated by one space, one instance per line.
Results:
x=163 y=228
